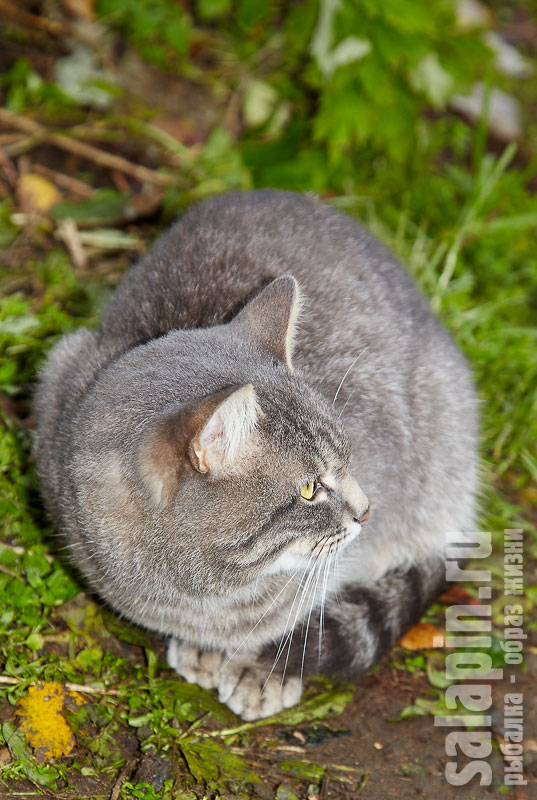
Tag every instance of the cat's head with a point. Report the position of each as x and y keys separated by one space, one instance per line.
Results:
x=255 y=478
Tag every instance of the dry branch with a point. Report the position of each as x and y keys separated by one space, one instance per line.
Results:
x=72 y=687
x=65 y=181
x=87 y=151
x=24 y=18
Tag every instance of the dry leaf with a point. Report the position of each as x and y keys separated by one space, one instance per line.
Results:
x=456 y=595
x=43 y=723
x=37 y=193
x=422 y=636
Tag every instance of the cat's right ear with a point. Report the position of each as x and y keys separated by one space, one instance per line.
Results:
x=271 y=318
x=213 y=435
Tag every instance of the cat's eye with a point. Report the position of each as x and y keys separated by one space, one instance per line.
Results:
x=308 y=489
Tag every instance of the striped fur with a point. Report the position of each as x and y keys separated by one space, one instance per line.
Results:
x=172 y=443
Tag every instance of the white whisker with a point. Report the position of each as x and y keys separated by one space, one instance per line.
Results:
x=288 y=632
x=302 y=600
x=345 y=375
x=313 y=597
x=328 y=564
x=261 y=618
x=346 y=403
x=254 y=596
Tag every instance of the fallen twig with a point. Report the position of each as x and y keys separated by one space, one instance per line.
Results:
x=55 y=28
x=9 y=138
x=65 y=181
x=69 y=233
x=101 y=157
x=30 y=20
x=125 y=772
x=24 y=145
x=72 y=687
x=9 y=169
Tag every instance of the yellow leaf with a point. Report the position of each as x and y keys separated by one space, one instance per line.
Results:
x=43 y=723
x=37 y=193
x=422 y=636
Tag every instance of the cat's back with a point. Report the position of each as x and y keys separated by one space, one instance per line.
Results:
x=360 y=304
x=222 y=252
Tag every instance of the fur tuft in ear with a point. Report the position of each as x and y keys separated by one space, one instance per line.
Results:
x=271 y=318
x=221 y=442
x=209 y=435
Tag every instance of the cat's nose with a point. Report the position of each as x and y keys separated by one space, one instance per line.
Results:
x=365 y=516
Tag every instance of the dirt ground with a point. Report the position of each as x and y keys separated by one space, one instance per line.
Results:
x=367 y=751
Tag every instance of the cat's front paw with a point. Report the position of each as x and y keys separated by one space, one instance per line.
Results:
x=195 y=665
x=243 y=686
x=247 y=690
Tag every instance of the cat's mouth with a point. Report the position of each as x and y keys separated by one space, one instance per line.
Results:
x=304 y=553
x=330 y=544
x=344 y=537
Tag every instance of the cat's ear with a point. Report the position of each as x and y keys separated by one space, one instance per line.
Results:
x=271 y=318
x=212 y=436
x=221 y=442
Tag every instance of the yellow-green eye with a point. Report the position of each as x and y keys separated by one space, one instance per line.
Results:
x=307 y=490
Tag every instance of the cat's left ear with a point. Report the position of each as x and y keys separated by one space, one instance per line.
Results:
x=271 y=318
x=214 y=435
x=221 y=443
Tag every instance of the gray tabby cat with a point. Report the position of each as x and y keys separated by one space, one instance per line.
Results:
x=211 y=452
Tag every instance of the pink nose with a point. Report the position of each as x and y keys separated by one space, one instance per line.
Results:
x=365 y=516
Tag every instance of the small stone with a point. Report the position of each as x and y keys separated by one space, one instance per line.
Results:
x=154 y=770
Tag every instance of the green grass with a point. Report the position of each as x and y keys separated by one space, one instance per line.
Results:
x=462 y=218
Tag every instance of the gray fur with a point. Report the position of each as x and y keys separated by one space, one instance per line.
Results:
x=207 y=559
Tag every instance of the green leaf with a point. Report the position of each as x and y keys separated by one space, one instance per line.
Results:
x=143 y=719
x=43 y=774
x=323 y=705
x=105 y=207
x=151 y=658
x=36 y=567
x=191 y=702
x=90 y=659
x=258 y=103
x=213 y=9
x=284 y=792
x=18 y=326
x=60 y=587
x=305 y=770
x=34 y=641
x=436 y=671
x=252 y=12
x=433 y=80
x=209 y=761
x=15 y=741
x=125 y=632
